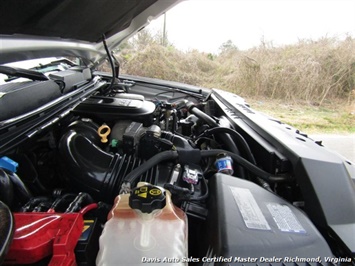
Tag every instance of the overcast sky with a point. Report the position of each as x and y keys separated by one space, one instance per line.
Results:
x=206 y=24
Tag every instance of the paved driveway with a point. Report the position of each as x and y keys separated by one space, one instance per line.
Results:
x=343 y=144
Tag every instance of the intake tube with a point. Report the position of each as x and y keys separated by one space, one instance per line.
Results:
x=91 y=169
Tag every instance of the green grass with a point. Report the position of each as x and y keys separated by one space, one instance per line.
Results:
x=329 y=118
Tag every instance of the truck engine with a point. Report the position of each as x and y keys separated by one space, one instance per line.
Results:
x=242 y=196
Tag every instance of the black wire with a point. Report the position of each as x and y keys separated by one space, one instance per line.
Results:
x=205 y=195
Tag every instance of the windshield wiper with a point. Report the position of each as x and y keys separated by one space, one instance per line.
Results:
x=14 y=72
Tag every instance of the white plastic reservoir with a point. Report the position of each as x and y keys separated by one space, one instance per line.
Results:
x=144 y=227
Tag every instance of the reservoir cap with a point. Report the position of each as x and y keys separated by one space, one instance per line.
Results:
x=147 y=198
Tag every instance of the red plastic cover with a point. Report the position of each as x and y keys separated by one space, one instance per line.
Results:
x=39 y=235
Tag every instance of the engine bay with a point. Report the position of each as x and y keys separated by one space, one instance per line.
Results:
x=241 y=193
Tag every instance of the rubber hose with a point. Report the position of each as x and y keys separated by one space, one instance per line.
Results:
x=240 y=139
x=205 y=117
x=227 y=140
x=156 y=159
x=245 y=146
x=21 y=190
x=6 y=188
x=243 y=162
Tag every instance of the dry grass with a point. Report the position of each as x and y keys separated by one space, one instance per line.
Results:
x=170 y=64
x=313 y=71
x=329 y=118
x=318 y=74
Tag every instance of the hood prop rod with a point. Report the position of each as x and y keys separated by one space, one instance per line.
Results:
x=114 y=67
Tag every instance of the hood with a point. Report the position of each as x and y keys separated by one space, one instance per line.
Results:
x=38 y=28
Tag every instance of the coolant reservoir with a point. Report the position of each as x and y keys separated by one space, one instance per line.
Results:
x=144 y=227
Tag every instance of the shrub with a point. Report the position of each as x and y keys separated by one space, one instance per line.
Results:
x=312 y=71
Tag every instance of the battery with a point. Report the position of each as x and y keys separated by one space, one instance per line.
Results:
x=88 y=244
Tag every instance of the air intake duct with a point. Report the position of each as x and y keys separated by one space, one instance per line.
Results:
x=93 y=170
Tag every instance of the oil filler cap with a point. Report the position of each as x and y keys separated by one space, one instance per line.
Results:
x=147 y=198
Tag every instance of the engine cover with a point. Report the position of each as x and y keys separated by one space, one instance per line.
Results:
x=247 y=221
x=115 y=108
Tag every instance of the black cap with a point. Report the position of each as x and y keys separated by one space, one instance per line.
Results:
x=147 y=198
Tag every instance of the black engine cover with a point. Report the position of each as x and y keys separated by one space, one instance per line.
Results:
x=115 y=108
x=247 y=221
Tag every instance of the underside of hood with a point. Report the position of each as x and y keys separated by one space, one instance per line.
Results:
x=78 y=20
x=72 y=27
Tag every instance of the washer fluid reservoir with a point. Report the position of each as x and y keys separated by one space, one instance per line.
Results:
x=144 y=226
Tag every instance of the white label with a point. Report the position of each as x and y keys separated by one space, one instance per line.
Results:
x=251 y=213
x=284 y=218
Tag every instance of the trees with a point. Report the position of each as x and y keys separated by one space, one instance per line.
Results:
x=228 y=47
